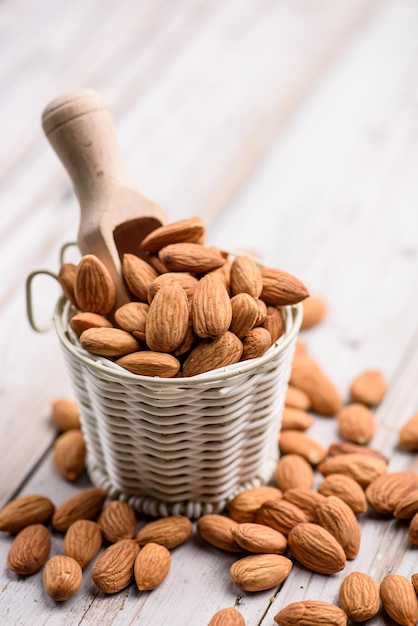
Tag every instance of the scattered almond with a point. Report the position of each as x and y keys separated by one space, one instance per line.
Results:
x=69 y=454
x=311 y=613
x=151 y=566
x=117 y=521
x=316 y=548
x=259 y=538
x=260 y=571
x=169 y=531
x=385 y=492
x=356 y=423
x=305 y=499
x=296 y=419
x=29 y=550
x=308 y=376
x=399 y=599
x=280 y=515
x=243 y=507
x=362 y=468
x=62 y=577
x=359 y=596
x=227 y=617
x=297 y=399
x=216 y=530
x=292 y=471
x=408 y=434
x=85 y=504
x=82 y=541
x=65 y=414
x=314 y=311
x=336 y=516
x=25 y=510
x=113 y=570
x=345 y=488
x=369 y=387
x=298 y=442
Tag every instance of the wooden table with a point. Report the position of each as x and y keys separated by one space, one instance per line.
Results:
x=291 y=127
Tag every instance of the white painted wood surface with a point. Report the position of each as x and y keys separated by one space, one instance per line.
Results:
x=291 y=128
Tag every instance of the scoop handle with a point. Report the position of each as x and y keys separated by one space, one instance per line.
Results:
x=79 y=127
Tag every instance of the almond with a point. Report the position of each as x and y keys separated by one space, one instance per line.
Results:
x=216 y=530
x=314 y=547
x=359 y=596
x=346 y=447
x=296 y=419
x=413 y=530
x=65 y=414
x=69 y=454
x=246 y=276
x=29 y=550
x=280 y=515
x=94 y=289
x=399 y=599
x=293 y=470
x=362 y=468
x=191 y=257
x=259 y=538
x=84 y=504
x=407 y=505
x=305 y=499
x=298 y=442
x=189 y=342
x=62 y=577
x=273 y=322
x=345 y=488
x=66 y=278
x=281 y=288
x=308 y=376
x=212 y=354
x=138 y=275
x=25 y=510
x=260 y=571
x=108 y=342
x=255 y=343
x=262 y=312
x=186 y=280
x=224 y=274
x=311 y=613
x=185 y=230
x=297 y=399
x=132 y=318
x=414 y=580
x=356 y=423
x=151 y=566
x=314 y=311
x=167 y=318
x=408 y=434
x=82 y=541
x=169 y=531
x=117 y=521
x=227 y=617
x=385 y=492
x=244 y=314
x=85 y=320
x=243 y=507
x=369 y=387
x=113 y=570
x=211 y=308
x=150 y=363
x=335 y=515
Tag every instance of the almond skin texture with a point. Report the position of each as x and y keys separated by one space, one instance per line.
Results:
x=227 y=617
x=273 y=322
x=399 y=599
x=186 y=230
x=94 y=289
x=298 y=442
x=385 y=492
x=25 y=510
x=117 y=521
x=216 y=530
x=62 y=577
x=293 y=470
x=211 y=308
x=356 y=423
x=407 y=506
x=186 y=280
x=132 y=318
x=308 y=376
x=369 y=387
x=83 y=321
x=281 y=288
x=244 y=314
x=65 y=414
x=296 y=419
x=255 y=343
x=113 y=570
x=82 y=541
x=167 y=318
x=29 y=550
x=259 y=538
x=280 y=515
x=212 y=354
x=244 y=506
x=83 y=505
x=151 y=567
x=150 y=363
x=305 y=499
x=169 y=531
x=346 y=447
x=191 y=257
x=246 y=277
x=69 y=454
x=359 y=596
x=361 y=467
x=408 y=434
x=314 y=311
x=335 y=515
x=259 y=572
x=138 y=275
x=315 y=548
x=345 y=488
x=311 y=613
x=108 y=342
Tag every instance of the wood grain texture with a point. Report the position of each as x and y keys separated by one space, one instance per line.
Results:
x=291 y=128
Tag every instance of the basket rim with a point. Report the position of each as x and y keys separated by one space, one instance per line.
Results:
x=294 y=314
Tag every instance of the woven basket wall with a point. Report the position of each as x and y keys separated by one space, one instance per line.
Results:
x=180 y=446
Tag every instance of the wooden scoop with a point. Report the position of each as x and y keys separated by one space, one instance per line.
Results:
x=115 y=217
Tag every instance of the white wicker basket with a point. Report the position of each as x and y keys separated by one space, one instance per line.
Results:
x=180 y=445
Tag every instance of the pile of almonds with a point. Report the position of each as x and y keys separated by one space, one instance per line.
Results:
x=192 y=307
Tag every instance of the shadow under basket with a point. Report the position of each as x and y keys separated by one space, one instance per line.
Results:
x=181 y=446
